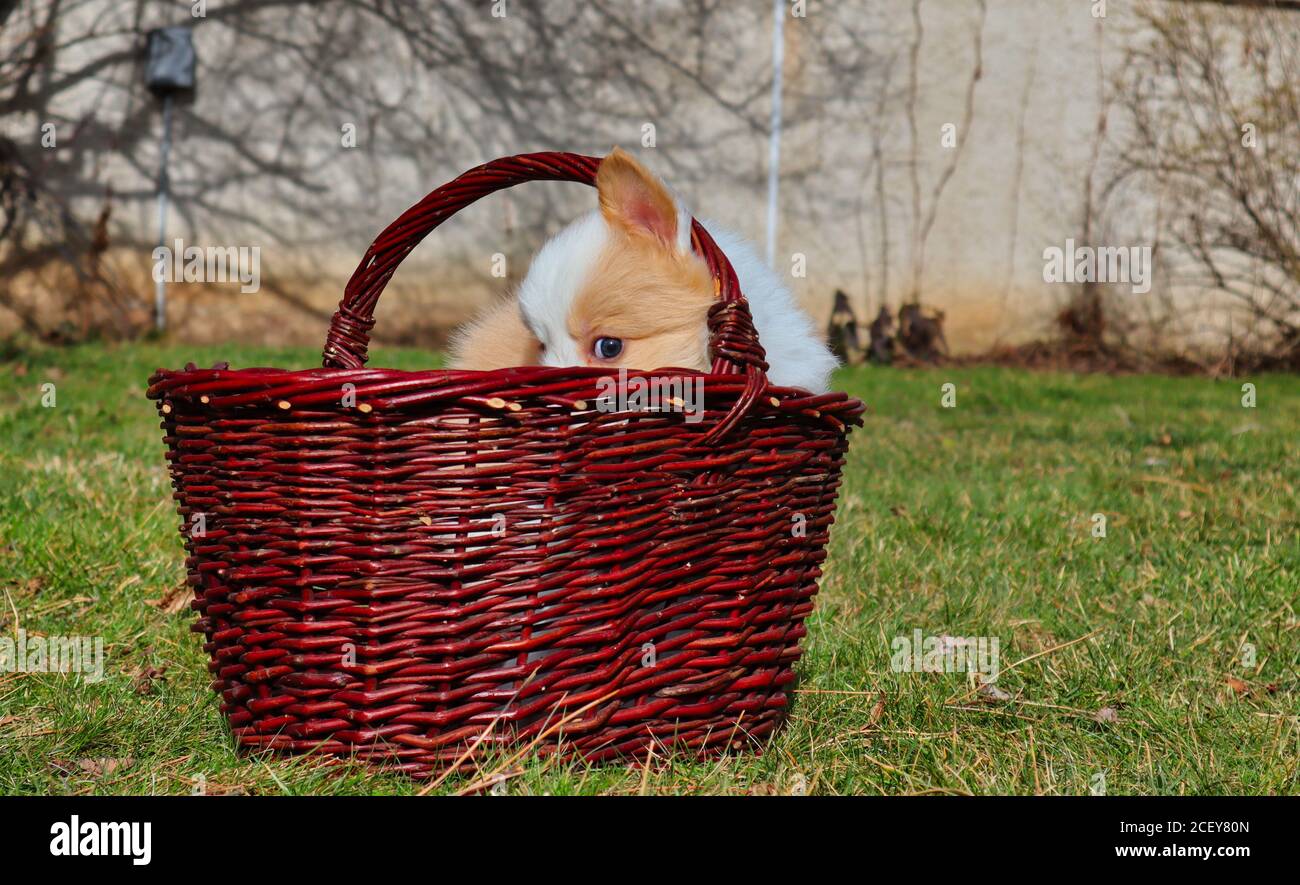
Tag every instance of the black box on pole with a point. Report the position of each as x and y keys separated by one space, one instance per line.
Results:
x=169 y=62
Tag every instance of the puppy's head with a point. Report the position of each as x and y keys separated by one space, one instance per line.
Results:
x=621 y=287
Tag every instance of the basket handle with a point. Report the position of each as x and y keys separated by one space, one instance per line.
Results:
x=733 y=340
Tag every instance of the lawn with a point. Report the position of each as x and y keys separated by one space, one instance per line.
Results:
x=1161 y=658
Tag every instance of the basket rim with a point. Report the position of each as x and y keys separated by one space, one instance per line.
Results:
x=499 y=389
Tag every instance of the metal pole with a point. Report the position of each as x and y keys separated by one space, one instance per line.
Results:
x=774 y=139
x=160 y=283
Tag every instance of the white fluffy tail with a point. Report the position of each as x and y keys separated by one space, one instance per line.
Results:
x=796 y=354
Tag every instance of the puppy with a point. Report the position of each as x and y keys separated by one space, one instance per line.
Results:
x=620 y=287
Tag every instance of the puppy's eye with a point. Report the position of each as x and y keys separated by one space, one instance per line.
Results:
x=607 y=348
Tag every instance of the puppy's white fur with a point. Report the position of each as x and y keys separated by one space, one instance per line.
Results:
x=553 y=281
x=796 y=355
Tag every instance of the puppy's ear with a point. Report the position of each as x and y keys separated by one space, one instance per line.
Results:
x=633 y=200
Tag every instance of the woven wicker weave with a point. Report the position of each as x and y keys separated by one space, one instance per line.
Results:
x=425 y=562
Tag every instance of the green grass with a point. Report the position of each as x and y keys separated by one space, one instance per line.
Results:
x=969 y=521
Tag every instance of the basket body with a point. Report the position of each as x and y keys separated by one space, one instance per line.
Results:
x=405 y=567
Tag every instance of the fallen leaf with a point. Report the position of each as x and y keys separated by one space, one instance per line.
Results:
x=990 y=692
x=878 y=710
x=177 y=599
x=26 y=728
x=1106 y=714
x=145 y=677
x=103 y=767
x=1237 y=685
x=93 y=767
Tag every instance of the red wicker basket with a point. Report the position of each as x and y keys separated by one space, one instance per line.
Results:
x=404 y=567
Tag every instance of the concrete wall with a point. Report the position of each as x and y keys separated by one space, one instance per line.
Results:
x=1015 y=186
